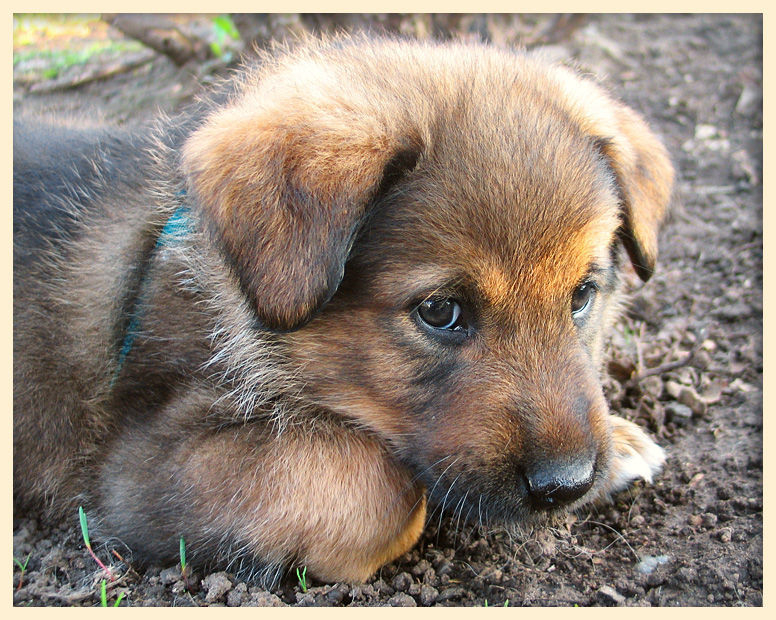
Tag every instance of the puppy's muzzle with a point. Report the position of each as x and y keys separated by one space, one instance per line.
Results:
x=559 y=446
x=553 y=485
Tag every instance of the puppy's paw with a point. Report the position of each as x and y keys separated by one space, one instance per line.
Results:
x=635 y=456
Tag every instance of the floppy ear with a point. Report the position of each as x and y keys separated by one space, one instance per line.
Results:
x=645 y=179
x=284 y=188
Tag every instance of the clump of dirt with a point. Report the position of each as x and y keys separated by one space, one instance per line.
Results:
x=686 y=362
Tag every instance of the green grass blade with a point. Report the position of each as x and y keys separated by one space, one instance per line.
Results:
x=84 y=527
x=224 y=23
x=183 y=555
x=302 y=578
x=23 y=567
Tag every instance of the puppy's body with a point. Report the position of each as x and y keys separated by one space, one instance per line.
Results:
x=380 y=270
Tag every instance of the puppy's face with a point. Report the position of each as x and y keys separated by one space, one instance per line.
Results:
x=468 y=328
x=438 y=228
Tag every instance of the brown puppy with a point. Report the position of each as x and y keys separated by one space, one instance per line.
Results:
x=373 y=271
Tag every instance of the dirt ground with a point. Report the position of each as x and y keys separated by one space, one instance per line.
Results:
x=695 y=537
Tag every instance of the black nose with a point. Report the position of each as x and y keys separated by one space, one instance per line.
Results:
x=553 y=485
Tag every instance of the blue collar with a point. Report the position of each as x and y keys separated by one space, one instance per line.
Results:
x=179 y=226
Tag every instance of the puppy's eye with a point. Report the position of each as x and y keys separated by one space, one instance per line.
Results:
x=441 y=313
x=582 y=298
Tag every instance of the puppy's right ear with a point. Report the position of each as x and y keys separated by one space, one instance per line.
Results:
x=638 y=160
x=284 y=187
x=645 y=180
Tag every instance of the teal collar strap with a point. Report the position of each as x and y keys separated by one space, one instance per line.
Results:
x=178 y=227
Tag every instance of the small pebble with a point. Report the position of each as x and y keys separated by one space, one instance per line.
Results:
x=21 y=536
x=609 y=595
x=638 y=521
x=170 y=575
x=304 y=599
x=383 y=588
x=235 y=596
x=653 y=386
x=750 y=99
x=402 y=582
x=420 y=568
x=649 y=563
x=216 y=585
x=706 y=132
x=726 y=534
x=266 y=599
x=695 y=480
x=450 y=593
x=428 y=595
x=335 y=596
x=690 y=398
x=402 y=600
x=673 y=388
x=179 y=587
x=678 y=413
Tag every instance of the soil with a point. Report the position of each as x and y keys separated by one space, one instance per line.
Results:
x=694 y=537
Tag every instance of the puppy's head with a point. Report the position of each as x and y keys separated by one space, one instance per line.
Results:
x=441 y=227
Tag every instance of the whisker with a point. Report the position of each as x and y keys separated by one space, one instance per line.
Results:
x=439 y=478
x=444 y=500
x=459 y=511
x=461 y=505
x=409 y=485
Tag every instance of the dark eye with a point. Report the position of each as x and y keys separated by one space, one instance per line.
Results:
x=441 y=313
x=582 y=297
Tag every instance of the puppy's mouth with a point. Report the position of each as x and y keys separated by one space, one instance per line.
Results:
x=532 y=495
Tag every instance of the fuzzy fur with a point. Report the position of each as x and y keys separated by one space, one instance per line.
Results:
x=265 y=385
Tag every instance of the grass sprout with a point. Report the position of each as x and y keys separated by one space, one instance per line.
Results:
x=23 y=568
x=183 y=556
x=302 y=577
x=104 y=596
x=85 y=532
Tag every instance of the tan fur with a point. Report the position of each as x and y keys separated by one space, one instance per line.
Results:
x=265 y=385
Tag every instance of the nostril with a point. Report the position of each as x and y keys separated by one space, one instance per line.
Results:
x=553 y=486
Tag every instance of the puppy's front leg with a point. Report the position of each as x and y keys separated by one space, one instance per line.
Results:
x=324 y=497
x=634 y=456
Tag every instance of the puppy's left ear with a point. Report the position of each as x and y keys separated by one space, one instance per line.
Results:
x=284 y=186
x=645 y=180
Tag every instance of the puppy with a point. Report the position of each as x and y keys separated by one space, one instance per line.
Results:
x=368 y=273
